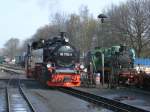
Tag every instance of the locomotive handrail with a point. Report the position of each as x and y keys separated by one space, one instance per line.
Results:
x=65 y=71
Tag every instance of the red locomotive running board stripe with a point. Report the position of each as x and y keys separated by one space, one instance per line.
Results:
x=64 y=80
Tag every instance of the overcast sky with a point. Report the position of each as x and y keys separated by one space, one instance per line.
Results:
x=21 y=18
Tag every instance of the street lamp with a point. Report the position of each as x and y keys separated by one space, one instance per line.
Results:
x=102 y=17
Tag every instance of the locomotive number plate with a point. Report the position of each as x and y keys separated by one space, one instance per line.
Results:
x=65 y=54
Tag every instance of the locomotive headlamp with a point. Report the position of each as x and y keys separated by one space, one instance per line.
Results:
x=66 y=39
x=43 y=41
x=82 y=66
x=49 y=65
x=85 y=70
x=76 y=66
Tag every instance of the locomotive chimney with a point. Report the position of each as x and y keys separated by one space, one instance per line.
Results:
x=62 y=34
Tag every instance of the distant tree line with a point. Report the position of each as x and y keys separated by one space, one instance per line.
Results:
x=127 y=23
x=11 y=48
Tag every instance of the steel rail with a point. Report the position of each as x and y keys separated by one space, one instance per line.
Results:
x=20 y=91
x=112 y=104
x=7 y=100
x=7 y=94
x=26 y=98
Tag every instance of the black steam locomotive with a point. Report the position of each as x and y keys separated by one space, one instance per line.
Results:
x=55 y=61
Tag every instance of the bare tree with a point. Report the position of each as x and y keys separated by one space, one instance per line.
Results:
x=131 y=22
x=59 y=21
x=87 y=30
x=57 y=25
x=11 y=47
x=73 y=25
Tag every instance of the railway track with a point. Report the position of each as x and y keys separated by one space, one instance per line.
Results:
x=11 y=66
x=11 y=69
x=14 y=99
x=108 y=103
x=18 y=101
